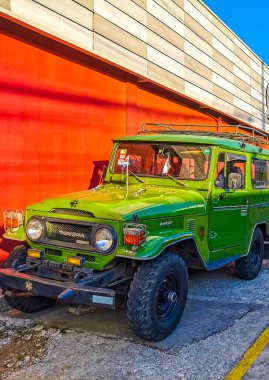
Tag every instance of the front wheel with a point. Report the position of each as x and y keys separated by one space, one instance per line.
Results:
x=157 y=297
x=27 y=303
x=249 y=266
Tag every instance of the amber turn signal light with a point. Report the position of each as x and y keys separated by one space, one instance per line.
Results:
x=35 y=253
x=76 y=261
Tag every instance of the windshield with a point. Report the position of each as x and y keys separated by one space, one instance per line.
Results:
x=189 y=162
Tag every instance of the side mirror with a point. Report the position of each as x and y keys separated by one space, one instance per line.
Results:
x=234 y=181
x=103 y=173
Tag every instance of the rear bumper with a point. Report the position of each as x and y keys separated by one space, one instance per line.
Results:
x=68 y=292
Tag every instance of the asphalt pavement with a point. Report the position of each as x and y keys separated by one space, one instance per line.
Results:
x=223 y=318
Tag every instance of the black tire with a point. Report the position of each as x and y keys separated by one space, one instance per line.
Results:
x=17 y=257
x=249 y=266
x=157 y=297
x=27 y=304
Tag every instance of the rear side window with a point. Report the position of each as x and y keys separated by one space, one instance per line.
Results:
x=259 y=174
x=228 y=164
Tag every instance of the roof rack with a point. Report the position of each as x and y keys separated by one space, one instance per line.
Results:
x=244 y=134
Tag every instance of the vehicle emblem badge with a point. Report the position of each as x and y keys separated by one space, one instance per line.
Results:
x=166 y=223
x=29 y=285
x=74 y=203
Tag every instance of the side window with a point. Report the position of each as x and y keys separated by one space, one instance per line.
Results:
x=236 y=171
x=231 y=171
x=259 y=174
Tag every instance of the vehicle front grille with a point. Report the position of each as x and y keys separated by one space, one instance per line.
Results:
x=74 y=235
x=70 y=233
x=67 y=211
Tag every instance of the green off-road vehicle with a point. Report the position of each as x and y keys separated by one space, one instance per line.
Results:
x=173 y=197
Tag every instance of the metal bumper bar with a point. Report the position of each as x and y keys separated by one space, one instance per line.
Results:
x=68 y=292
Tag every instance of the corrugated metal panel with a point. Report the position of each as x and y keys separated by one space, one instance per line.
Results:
x=198 y=67
x=5 y=4
x=119 y=36
x=223 y=38
x=165 y=40
x=223 y=83
x=226 y=107
x=131 y=9
x=167 y=48
x=198 y=54
x=67 y=24
x=121 y=19
x=67 y=8
x=165 y=77
x=160 y=29
x=197 y=92
x=192 y=24
x=162 y=60
x=176 y=10
x=85 y=3
x=223 y=61
x=173 y=21
x=221 y=93
x=222 y=71
x=112 y=51
x=202 y=16
x=198 y=42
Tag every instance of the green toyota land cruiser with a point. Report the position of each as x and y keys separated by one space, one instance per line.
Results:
x=173 y=197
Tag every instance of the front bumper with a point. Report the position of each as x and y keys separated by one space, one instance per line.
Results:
x=68 y=292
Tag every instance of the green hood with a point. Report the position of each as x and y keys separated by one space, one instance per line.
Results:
x=112 y=202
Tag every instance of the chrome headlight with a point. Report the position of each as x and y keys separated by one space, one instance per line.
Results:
x=34 y=229
x=104 y=239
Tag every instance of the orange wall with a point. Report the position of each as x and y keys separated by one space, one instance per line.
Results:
x=58 y=117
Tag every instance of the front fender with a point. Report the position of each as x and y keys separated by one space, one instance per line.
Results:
x=154 y=245
x=18 y=235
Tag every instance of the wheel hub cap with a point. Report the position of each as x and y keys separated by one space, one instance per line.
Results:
x=172 y=297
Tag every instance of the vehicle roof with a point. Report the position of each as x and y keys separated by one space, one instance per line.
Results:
x=194 y=139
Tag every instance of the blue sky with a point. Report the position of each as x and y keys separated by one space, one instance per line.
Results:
x=248 y=19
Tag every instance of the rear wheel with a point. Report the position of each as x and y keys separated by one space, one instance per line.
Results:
x=23 y=301
x=157 y=297
x=249 y=266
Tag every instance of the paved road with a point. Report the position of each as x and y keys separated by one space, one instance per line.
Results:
x=260 y=368
x=223 y=318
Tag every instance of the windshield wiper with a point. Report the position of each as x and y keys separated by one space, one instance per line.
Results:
x=133 y=174
x=139 y=191
x=175 y=179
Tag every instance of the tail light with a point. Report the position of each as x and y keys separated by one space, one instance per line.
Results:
x=13 y=219
x=134 y=234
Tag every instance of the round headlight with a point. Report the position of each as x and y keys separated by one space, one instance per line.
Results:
x=34 y=229
x=103 y=239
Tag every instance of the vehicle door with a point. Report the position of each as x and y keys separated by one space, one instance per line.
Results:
x=228 y=218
